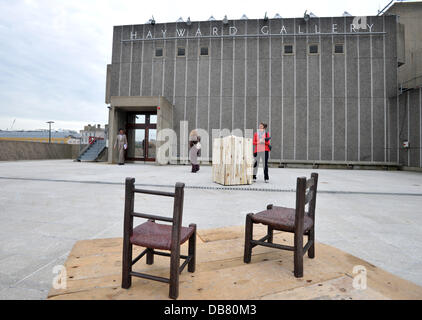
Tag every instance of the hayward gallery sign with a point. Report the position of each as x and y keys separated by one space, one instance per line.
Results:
x=359 y=24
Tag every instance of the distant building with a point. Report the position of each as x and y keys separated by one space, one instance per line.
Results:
x=74 y=141
x=89 y=133
x=65 y=136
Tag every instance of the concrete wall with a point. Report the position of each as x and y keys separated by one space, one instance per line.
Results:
x=405 y=113
x=410 y=15
x=164 y=121
x=318 y=107
x=19 y=150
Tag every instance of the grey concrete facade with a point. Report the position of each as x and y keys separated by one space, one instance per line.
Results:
x=406 y=125
x=405 y=109
x=409 y=14
x=325 y=106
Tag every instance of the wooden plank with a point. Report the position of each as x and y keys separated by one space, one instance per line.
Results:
x=248 y=158
x=217 y=156
x=334 y=289
x=239 y=162
x=94 y=272
x=227 y=149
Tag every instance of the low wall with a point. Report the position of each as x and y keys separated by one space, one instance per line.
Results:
x=21 y=150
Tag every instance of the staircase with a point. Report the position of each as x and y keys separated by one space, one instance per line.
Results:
x=93 y=151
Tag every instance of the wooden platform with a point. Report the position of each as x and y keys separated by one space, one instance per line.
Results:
x=94 y=272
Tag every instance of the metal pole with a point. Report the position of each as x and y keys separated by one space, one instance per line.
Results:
x=49 y=130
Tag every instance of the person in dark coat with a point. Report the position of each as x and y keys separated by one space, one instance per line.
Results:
x=194 y=151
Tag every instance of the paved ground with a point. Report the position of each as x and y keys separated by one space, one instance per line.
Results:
x=46 y=206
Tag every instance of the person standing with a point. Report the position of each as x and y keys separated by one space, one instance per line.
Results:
x=194 y=152
x=121 y=144
x=262 y=147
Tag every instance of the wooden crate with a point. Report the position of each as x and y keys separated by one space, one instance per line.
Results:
x=232 y=161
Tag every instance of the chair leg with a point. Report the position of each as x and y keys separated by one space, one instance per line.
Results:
x=127 y=266
x=174 y=273
x=192 y=250
x=248 y=237
x=298 y=255
x=150 y=256
x=311 y=237
x=270 y=234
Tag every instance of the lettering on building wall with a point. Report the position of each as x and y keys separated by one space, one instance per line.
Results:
x=359 y=25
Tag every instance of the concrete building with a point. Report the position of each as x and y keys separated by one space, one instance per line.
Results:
x=406 y=116
x=323 y=85
x=410 y=16
x=90 y=132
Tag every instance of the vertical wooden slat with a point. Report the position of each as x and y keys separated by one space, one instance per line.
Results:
x=270 y=234
x=175 y=240
x=150 y=256
x=248 y=152
x=312 y=204
x=192 y=249
x=248 y=237
x=127 y=233
x=298 y=236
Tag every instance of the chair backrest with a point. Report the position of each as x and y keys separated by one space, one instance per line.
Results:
x=306 y=191
x=176 y=221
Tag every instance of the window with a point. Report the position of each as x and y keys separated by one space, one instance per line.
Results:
x=181 y=52
x=159 y=52
x=288 y=49
x=313 y=49
x=153 y=119
x=140 y=118
x=339 y=48
x=203 y=51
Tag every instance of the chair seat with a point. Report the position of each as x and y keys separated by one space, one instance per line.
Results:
x=157 y=236
x=280 y=218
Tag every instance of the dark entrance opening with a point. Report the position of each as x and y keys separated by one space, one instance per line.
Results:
x=141 y=131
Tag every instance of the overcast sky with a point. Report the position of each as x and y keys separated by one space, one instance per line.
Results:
x=53 y=53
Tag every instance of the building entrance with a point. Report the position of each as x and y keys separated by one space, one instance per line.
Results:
x=141 y=131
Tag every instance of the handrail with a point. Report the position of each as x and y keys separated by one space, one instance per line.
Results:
x=84 y=150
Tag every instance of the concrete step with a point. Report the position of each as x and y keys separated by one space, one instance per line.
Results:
x=92 y=153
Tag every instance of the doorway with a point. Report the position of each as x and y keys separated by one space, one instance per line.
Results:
x=141 y=131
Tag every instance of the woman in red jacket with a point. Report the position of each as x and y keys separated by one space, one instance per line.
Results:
x=261 y=142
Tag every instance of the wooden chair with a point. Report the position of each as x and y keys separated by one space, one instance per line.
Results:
x=153 y=236
x=296 y=221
